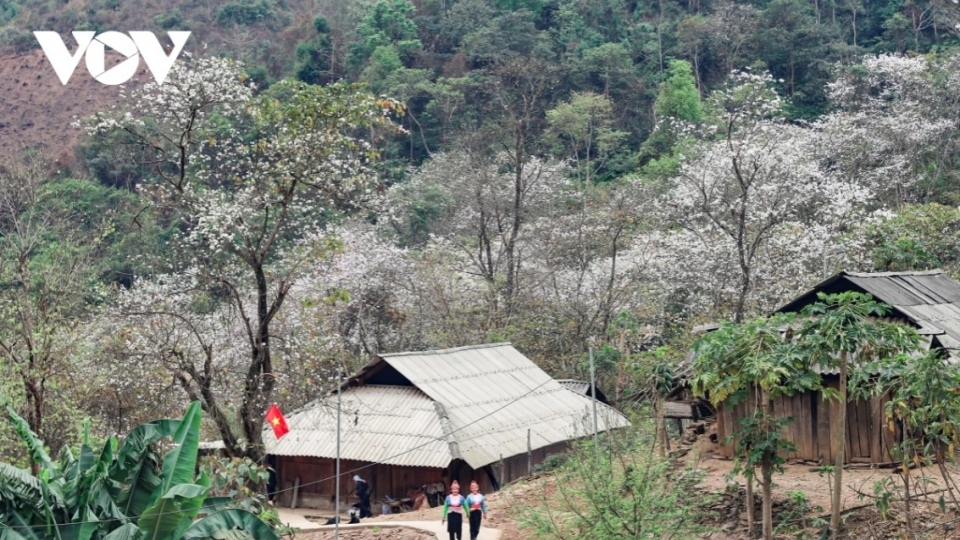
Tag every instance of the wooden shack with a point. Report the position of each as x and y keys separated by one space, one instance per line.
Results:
x=927 y=300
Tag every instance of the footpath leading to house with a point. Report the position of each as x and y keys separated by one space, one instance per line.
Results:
x=297 y=518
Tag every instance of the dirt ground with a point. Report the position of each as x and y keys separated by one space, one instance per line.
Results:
x=369 y=534
x=501 y=507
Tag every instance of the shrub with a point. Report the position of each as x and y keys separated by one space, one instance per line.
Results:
x=620 y=490
x=246 y=13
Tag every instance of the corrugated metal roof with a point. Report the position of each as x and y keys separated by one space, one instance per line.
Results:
x=388 y=424
x=494 y=395
x=473 y=403
x=580 y=387
x=929 y=299
x=583 y=388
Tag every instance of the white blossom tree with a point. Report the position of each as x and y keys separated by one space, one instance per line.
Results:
x=754 y=178
x=894 y=128
x=251 y=182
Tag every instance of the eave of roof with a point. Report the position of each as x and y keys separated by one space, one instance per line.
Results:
x=387 y=424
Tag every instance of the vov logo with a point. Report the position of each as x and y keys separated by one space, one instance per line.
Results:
x=92 y=46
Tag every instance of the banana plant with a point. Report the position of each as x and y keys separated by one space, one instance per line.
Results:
x=122 y=492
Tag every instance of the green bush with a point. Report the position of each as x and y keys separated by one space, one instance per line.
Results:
x=247 y=13
x=549 y=463
x=620 y=490
x=171 y=20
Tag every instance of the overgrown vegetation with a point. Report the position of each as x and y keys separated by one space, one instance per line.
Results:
x=122 y=491
x=619 y=489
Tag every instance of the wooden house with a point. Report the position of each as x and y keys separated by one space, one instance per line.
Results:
x=927 y=300
x=407 y=420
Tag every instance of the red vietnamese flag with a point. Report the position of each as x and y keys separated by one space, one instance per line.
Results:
x=277 y=421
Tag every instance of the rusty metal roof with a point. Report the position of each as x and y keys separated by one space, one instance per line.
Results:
x=928 y=299
x=387 y=424
x=473 y=403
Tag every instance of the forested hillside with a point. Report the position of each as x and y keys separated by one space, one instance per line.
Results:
x=329 y=180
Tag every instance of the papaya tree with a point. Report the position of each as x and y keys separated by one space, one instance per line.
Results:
x=754 y=363
x=921 y=391
x=122 y=492
x=841 y=331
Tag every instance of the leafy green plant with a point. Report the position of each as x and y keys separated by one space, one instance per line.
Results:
x=271 y=517
x=843 y=330
x=793 y=518
x=883 y=492
x=755 y=360
x=551 y=462
x=121 y=492
x=235 y=477
x=619 y=491
x=247 y=13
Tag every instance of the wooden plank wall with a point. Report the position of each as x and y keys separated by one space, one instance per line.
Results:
x=316 y=478
x=868 y=434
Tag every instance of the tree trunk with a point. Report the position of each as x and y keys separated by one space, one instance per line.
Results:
x=744 y=290
x=766 y=468
x=766 y=471
x=948 y=481
x=841 y=438
x=259 y=383
x=511 y=244
x=906 y=500
x=750 y=517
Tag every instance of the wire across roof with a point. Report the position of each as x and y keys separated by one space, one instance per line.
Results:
x=476 y=403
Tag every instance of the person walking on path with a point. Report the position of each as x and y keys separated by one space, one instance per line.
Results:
x=363 y=494
x=454 y=507
x=477 y=506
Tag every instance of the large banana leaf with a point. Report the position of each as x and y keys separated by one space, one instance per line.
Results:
x=22 y=526
x=180 y=463
x=84 y=524
x=135 y=465
x=168 y=513
x=191 y=507
x=6 y=533
x=220 y=524
x=128 y=531
x=18 y=482
x=142 y=436
x=34 y=444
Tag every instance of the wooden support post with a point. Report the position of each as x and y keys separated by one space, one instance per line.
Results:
x=500 y=480
x=296 y=491
x=529 y=455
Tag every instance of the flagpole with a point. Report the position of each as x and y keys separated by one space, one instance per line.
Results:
x=336 y=516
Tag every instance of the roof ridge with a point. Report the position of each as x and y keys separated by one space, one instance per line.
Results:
x=445 y=351
x=933 y=272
